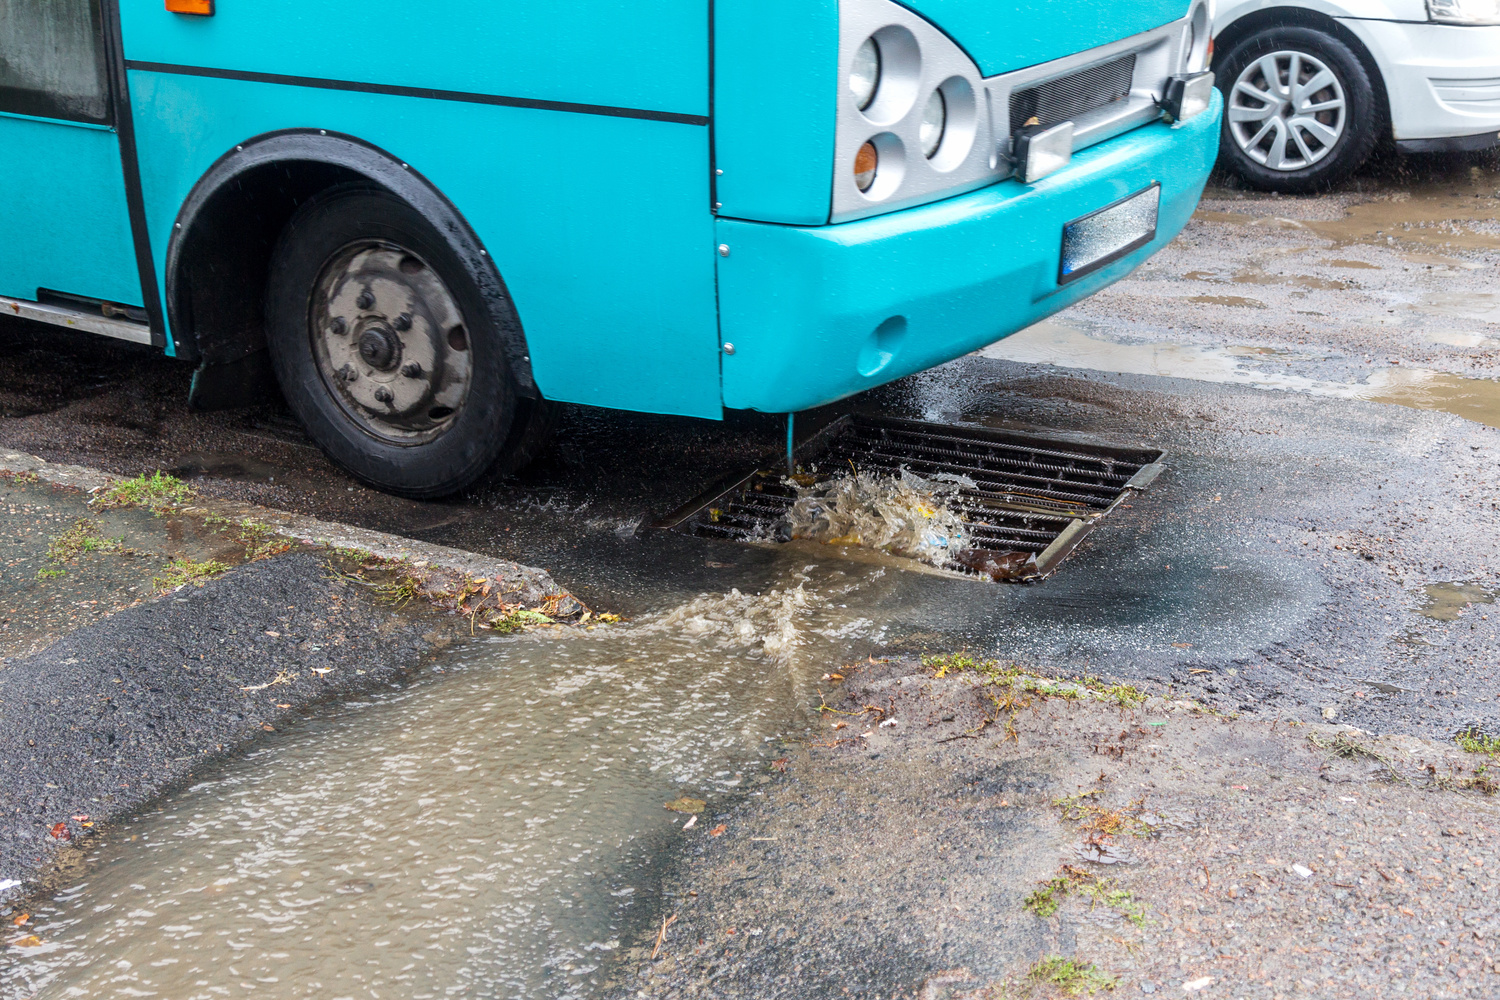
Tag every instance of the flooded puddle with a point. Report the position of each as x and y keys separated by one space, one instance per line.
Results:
x=1445 y=602
x=490 y=830
x=1053 y=343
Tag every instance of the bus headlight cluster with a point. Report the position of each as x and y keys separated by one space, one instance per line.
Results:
x=908 y=120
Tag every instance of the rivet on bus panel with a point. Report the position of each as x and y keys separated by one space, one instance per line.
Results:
x=723 y=249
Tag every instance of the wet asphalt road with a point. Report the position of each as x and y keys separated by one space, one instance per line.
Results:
x=1290 y=540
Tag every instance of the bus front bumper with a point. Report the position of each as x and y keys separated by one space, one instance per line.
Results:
x=815 y=314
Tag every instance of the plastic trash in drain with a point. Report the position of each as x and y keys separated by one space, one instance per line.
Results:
x=970 y=501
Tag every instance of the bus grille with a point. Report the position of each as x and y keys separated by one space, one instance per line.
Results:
x=1068 y=98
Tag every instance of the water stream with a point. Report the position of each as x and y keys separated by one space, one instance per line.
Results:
x=489 y=830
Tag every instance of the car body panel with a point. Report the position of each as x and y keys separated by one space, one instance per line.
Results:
x=774 y=108
x=1440 y=80
x=1002 y=36
x=651 y=54
x=609 y=259
x=809 y=310
x=65 y=219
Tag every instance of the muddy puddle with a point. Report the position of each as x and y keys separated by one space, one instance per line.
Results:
x=1055 y=343
x=493 y=829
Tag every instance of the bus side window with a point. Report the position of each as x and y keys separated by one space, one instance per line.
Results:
x=52 y=60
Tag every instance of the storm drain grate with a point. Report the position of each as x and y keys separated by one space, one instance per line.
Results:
x=1031 y=500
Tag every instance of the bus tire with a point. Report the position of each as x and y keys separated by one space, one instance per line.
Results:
x=384 y=346
x=1290 y=139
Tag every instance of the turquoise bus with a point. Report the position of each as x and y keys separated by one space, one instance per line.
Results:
x=434 y=222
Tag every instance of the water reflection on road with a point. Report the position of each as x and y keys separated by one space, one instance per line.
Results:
x=488 y=831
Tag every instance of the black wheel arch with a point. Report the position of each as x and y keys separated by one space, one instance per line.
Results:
x=1301 y=17
x=219 y=254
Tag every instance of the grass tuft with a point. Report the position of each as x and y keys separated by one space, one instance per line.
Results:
x=1074 y=978
x=182 y=571
x=157 y=492
x=1474 y=741
x=81 y=538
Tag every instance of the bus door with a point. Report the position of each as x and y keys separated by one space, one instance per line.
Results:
x=64 y=225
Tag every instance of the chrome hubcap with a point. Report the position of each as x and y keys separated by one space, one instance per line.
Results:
x=390 y=342
x=1287 y=110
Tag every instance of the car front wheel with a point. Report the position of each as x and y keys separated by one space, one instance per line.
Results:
x=1300 y=112
x=385 y=347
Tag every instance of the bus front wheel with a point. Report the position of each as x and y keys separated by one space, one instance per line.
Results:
x=385 y=347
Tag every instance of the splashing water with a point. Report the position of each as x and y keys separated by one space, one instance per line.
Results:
x=905 y=515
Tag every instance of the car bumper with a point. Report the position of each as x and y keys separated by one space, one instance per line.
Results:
x=1442 y=80
x=815 y=314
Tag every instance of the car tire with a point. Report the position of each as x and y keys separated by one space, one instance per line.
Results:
x=385 y=347
x=1286 y=138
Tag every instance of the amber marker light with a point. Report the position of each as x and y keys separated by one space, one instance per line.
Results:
x=201 y=7
x=865 y=163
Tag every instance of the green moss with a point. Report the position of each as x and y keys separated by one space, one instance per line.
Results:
x=518 y=619
x=1071 y=976
x=157 y=492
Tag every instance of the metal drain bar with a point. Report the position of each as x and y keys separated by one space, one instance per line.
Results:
x=1031 y=502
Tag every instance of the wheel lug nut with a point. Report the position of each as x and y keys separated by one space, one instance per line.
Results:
x=383 y=395
x=403 y=322
x=338 y=326
x=411 y=370
x=348 y=374
x=366 y=299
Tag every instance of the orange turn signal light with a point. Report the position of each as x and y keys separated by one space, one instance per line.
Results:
x=204 y=7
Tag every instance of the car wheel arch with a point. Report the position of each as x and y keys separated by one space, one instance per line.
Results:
x=219 y=253
x=1266 y=18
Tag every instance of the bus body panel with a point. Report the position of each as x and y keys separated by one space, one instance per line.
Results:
x=1002 y=36
x=650 y=54
x=817 y=314
x=599 y=225
x=63 y=212
x=774 y=107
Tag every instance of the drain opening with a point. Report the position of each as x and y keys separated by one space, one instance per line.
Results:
x=1024 y=503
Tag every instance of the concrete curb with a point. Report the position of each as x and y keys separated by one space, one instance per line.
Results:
x=442 y=565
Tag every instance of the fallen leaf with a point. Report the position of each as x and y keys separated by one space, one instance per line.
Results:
x=692 y=821
x=840 y=724
x=29 y=941
x=686 y=805
x=1183 y=645
x=717 y=830
x=781 y=763
x=81 y=817
x=21 y=919
x=835 y=677
x=60 y=832
x=1404 y=910
x=268 y=727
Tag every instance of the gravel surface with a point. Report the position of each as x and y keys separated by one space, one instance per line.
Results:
x=895 y=854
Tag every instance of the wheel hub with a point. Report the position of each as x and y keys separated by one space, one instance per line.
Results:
x=380 y=348
x=390 y=342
